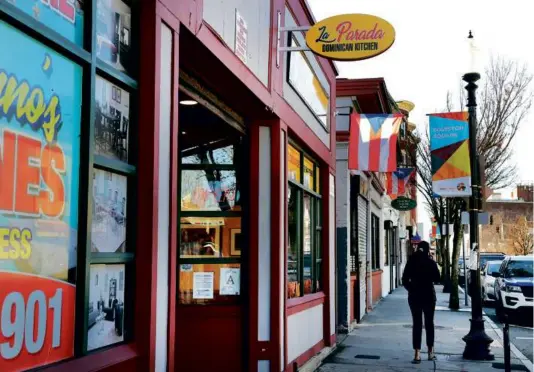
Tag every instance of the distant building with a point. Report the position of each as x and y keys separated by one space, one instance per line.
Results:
x=511 y=221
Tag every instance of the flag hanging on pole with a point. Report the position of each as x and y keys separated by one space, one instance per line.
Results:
x=397 y=181
x=373 y=142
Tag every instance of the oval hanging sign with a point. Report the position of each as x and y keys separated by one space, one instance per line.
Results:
x=350 y=37
x=403 y=203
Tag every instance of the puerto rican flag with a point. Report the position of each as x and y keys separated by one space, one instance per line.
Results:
x=398 y=180
x=373 y=142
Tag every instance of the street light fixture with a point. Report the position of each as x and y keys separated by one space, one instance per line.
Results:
x=477 y=342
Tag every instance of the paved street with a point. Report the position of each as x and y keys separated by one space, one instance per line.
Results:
x=521 y=331
x=382 y=342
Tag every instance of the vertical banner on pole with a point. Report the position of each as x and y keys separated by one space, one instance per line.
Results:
x=449 y=150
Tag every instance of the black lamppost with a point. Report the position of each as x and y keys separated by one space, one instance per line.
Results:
x=477 y=342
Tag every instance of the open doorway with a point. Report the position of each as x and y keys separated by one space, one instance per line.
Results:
x=213 y=187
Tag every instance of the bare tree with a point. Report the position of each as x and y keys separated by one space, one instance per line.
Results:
x=521 y=236
x=504 y=100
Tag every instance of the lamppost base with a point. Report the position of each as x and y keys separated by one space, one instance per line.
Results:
x=477 y=342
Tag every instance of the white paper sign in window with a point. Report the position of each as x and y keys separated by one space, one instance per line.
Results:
x=230 y=279
x=203 y=285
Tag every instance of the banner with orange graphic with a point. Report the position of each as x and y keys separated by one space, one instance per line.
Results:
x=449 y=149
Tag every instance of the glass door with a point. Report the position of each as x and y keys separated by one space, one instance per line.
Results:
x=213 y=243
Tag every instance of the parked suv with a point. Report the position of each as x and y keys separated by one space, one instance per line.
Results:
x=488 y=280
x=514 y=285
x=484 y=257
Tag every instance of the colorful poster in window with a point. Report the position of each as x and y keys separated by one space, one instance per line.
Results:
x=105 y=318
x=112 y=120
x=40 y=108
x=62 y=16
x=114 y=34
x=108 y=227
x=293 y=163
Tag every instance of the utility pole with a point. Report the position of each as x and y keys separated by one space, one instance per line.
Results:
x=477 y=342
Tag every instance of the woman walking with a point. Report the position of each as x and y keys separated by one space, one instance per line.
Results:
x=420 y=274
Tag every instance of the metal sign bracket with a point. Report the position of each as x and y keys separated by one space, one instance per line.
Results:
x=284 y=48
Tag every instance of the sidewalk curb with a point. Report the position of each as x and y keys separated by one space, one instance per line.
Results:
x=519 y=355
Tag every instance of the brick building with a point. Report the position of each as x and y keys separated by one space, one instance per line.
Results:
x=510 y=222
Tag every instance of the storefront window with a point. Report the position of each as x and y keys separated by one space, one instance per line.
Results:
x=114 y=34
x=39 y=173
x=209 y=190
x=212 y=235
x=62 y=16
x=293 y=164
x=108 y=231
x=293 y=272
x=58 y=286
x=306 y=83
x=112 y=120
x=304 y=259
x=106 y=305
x=375 y=242
x=309 y=178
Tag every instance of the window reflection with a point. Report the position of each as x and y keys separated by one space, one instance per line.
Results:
x=307 y=247
x=305 y=82
x=223 y=155
x=293 y=286
x=211 y=237
x=209 y=190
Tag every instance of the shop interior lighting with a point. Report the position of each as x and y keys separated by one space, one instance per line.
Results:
x=188 y=102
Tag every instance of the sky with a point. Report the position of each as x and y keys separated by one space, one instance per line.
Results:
x=431 y=53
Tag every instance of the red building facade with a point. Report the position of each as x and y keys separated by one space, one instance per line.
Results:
x=204 y=177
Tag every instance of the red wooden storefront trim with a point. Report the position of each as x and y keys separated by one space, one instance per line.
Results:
x=286 y=242
x=120 y=358
x=277 y=217
x=174 y=191
x=296 y=305
x=253 y=242
x=304 y=357
x=147 y=241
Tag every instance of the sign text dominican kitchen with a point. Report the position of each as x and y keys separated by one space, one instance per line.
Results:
x=350 y=37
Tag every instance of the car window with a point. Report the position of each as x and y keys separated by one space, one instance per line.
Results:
x=492 y=268
x=503 y=266
x=485 y=259
x=519 y=269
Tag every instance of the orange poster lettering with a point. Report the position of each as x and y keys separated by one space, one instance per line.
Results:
x=52 y=201
x=28 y=158
x=7 y=170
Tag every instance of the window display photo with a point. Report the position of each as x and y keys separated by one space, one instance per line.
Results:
x=105 y=320
x=113 y=34
x=108 y=231
x=112 y=120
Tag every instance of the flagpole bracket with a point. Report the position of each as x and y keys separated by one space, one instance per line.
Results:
x=281 y=46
